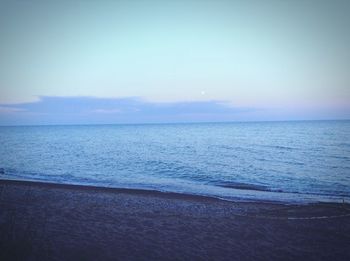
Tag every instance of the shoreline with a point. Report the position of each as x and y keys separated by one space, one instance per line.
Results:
x=44 y=221
x=145 y=192
x=181 y=196
x=312 y=198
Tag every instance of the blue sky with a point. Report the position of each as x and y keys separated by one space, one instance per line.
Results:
x=206 y=60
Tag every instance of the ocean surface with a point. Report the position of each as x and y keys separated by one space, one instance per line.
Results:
x=283 y=161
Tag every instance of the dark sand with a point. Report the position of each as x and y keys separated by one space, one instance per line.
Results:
x=63 y=222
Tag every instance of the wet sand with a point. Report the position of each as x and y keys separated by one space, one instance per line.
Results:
x=40 y=221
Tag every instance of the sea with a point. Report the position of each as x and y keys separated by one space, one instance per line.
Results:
x=301 y=161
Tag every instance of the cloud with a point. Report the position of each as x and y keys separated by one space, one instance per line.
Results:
x=107 y=111
x=6 y=110
x=91 y=110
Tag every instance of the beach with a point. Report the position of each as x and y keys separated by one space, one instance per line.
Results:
x=43 y=221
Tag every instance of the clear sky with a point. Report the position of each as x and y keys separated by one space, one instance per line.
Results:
x=253 y=59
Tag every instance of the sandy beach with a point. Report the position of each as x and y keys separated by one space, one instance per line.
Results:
x=40 y=221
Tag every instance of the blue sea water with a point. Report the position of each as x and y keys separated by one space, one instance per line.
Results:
x=283 y=161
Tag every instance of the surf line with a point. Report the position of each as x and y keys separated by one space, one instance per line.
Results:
x=296 y=218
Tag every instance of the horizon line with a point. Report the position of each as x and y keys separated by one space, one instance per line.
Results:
x=174 y=123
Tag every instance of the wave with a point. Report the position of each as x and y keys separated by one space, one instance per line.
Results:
x=280 y=147
x=243 y=186
x=339 y=157
x=255 y=187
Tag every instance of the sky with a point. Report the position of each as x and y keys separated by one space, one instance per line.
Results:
x=104 y=61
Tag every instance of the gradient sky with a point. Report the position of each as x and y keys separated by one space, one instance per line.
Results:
x=273 y=59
